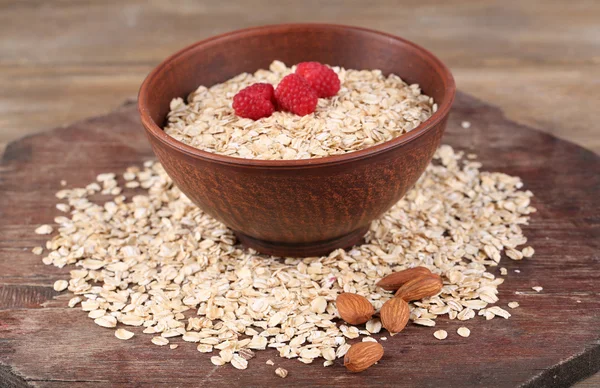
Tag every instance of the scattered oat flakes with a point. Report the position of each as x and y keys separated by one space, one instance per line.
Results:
x=191 y=336
x=63 y=182
x=204 y=348
x=270 y=362
x=328 y=354
x=373 y=326
x=503 y=271
x=152 y=258
x=89 y=305
x=487 y=313
x=383 y=338
x=424 y=322
x=74 y=301
x=226 y=354
x=173 y=333
x=63 y=207
x=60 y=285
x=132 y=185
x=216 y=360
x=281 y=372
x=496 y=310
x=173 y=346
x=106 y=321
x=131 y=320
x=517 y=271
x=528 y=251
x=537 y=288
x=463 y=331
x=97 y=313
x=465 y=124
x=514 y=254
x=342 y=350
x=44 y=229
x=318 y=305
x=247 y=354
x=37 y=250
x=123 y=334
x=109 y=176
x=513 y=305
x=239 y=362
x=440 y=334
x=160 y=341
x=327 y=363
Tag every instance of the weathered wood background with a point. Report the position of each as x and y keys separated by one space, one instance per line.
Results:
x=63 y=60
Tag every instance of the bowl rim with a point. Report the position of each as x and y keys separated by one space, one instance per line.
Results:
x=158 y=133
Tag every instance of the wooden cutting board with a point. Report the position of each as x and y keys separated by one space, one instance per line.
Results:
x=553 y=339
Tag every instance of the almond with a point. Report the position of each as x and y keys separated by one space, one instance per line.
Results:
x=362 y=355
x=394 y=315
x=353 y=308
x=421 y=287
x=393 y=281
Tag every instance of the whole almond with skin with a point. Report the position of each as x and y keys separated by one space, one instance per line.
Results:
x=362 y=355
x=394 y=280
x=420 y=287
x=394 y=315
x=353 y=308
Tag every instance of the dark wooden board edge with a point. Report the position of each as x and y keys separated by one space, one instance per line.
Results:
x=10 y=379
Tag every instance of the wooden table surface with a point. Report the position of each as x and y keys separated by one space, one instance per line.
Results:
x=551 y=340
x=538 y=60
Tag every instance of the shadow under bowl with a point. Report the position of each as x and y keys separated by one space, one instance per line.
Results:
x=304 y=207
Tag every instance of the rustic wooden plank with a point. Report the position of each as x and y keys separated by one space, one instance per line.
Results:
x=20 y=296
x=592 y=382
x=115 y=31
x=552 y=339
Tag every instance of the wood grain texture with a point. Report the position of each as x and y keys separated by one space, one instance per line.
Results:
x=551 y=340
x=538 y=60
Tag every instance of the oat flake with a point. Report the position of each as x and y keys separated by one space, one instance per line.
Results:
x=60 y=285
x=43 y=229
x=281 y=372
x=440 y=334
x=123 y=334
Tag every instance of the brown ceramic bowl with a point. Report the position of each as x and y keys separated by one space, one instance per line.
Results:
x=296 y=207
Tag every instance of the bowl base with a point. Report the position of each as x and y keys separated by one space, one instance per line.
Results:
x=320 y=248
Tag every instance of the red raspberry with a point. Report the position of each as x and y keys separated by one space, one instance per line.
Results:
x=255 y=102
x=294 y=94
x=321 y=78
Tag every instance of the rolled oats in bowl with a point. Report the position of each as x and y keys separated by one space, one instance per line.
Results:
x=369 y=109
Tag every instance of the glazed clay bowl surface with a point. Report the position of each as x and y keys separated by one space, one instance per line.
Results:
x=296 y=207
